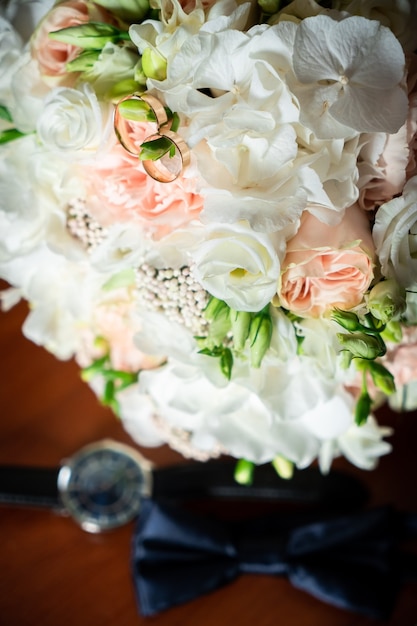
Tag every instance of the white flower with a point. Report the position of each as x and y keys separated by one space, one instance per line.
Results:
x=137 y=414
x=32 y=198
x=238 y=265
x=285 y=408
x=73 y=122
x=395 y=236
x=344 y=68
x=175 y=27
x=60 y=293
x=361 y=445
x=399 y=15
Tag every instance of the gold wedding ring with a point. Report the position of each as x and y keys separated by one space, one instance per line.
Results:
x=124 y=127
x=169 y=166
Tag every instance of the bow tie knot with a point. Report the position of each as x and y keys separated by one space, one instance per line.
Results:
x=349 y=561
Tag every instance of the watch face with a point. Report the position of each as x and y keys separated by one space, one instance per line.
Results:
x=102 y=486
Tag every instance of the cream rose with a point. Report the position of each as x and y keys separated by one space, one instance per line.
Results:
x=327 y=266
x=238 y=265
x=72 y=121
x=395 y=236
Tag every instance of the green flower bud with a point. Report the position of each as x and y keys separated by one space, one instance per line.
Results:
x=345 y=359
x=122 y=89
x=270 y=6
x=386 y=300
x=392 y=332
x=362 y=346
x=154 y=65
x=128 y=10
x=139 y=74
x=383 y=379
x=260 y=335
x=91 y=36
x=240 y=327
x=136 y=110
x=283 y=467
x=346 y=319
x=244 y=471
x=84 y=61
x=363 y=408
x=226 y=363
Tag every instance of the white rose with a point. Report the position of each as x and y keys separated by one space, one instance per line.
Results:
x=395 y=236
x=32 y=198
x=73 y=122
x=26 y=14
x=60 y=293
x=238 y=265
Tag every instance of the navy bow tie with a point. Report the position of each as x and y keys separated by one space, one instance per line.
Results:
x=350 y=561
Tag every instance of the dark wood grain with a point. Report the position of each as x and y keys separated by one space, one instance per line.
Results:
x=52 y=573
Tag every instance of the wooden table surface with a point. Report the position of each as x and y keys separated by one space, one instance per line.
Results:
x=54 y=574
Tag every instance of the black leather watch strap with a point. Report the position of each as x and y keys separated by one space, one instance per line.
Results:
x=30 y=486
x=215 y=479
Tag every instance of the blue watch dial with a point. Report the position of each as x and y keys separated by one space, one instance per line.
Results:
x=103 y=485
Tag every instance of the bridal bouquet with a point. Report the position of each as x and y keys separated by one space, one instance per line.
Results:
x=212 y=206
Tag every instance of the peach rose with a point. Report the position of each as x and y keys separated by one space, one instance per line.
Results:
x=52 y=56
x=387 y=161
x=119 y=190
x=115 y=324
x=327 y=267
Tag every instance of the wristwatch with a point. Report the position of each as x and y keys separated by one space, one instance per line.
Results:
x=102 y=485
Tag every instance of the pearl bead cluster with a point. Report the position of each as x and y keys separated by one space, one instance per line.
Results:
x=83 y=226
x=174 y=292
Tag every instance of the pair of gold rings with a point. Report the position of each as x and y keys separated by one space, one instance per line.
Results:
x=164 y=154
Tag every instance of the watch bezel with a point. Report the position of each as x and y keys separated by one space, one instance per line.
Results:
x=69 y=466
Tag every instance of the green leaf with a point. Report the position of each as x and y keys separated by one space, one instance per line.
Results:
x=87 y=373
x=10 y=135
x=5 y=114
x=260 y=335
